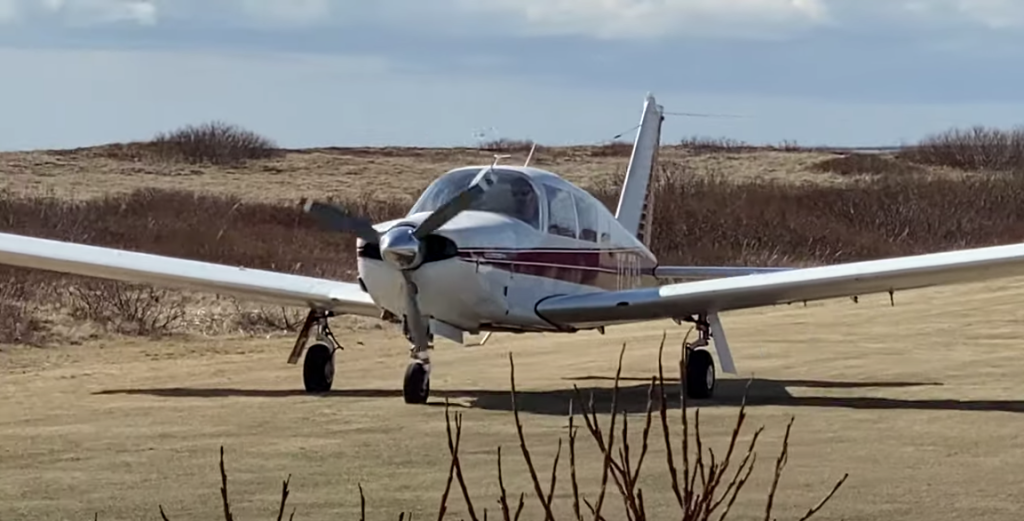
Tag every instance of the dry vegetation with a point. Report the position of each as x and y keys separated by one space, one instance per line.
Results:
x=893 y=206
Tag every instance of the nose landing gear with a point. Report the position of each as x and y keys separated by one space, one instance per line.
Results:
x=416 y=384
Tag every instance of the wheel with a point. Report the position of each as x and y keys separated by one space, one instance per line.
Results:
x=318 y=368
x=416 y=386
x=700 y=374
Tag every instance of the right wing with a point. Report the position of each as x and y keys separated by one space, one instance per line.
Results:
x=599 y=308
x=128 y=266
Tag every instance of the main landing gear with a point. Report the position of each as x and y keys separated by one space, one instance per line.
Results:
x=318 y=367
x=698 y=372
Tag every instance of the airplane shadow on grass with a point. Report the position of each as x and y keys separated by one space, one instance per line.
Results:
x=632 y=397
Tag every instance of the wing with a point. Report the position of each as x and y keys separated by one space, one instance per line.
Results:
x=128 y=266
x=705 y=272
x=804 y=284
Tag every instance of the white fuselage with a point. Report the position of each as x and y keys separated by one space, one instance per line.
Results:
x=491 y=285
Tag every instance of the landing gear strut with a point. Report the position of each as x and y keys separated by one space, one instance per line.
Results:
x=416 y=385
x=698 y=371
x=318 y=367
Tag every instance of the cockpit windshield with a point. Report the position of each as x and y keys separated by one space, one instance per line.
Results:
x=512 y=194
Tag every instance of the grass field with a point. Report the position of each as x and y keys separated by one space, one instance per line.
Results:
x=919 y=402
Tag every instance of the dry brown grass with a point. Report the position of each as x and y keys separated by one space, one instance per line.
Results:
x=892 y=395
x=867 y=164
x=704 y=487
x=384 y=172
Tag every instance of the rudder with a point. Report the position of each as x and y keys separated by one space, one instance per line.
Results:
x=635 y=207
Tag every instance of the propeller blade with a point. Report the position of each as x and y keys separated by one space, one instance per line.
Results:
x=335 y=218
x=446 y=212
x=417 y=327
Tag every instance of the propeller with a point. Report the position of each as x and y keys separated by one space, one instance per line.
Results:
x=402 y=245
x=335 y=218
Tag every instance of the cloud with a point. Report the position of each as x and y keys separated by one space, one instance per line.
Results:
x=289 y=12
x=8 y=10
x=655 y=18
x=79 y=12
x=601 y=19
x=992 y=13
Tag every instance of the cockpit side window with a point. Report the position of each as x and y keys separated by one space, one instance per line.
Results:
x=588 y=216
x=561 y=212
x=513 y=194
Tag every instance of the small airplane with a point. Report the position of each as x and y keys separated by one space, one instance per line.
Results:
x=500 y=248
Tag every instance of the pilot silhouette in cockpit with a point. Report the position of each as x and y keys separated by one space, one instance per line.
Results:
x=524 y=198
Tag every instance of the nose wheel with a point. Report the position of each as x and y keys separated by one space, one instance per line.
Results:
x=416 y=385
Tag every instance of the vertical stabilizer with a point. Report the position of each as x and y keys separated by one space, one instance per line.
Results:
x=635 y=203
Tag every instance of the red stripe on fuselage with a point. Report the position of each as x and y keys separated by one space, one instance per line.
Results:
x=607 y=269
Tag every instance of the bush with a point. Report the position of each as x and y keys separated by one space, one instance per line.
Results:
x=703 y=485
x=216 y=143
x=976 y=148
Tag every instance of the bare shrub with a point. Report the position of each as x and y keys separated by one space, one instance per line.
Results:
x=507 y=145
x=216 y=143
x=19 y=323
x=126 y=308
x=865 y=164
x=264 y=319
x=709 y=220
x=613 y=149
x=975 y=148
x=703 y=485
x=702 y=145
x=698 y=145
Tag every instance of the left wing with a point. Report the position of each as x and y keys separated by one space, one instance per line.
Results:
x=805 y=284
x=128 y=266
x=705 y=272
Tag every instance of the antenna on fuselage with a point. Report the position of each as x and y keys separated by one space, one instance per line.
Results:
x=499 y=157
x=530 y=156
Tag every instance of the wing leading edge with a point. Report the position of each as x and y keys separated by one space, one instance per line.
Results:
x=796 y=285
x=706 y=272
x=128 y=266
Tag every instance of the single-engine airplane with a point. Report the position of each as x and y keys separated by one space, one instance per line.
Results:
x=501 y=248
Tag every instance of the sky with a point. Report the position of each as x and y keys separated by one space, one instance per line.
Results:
x=455 y=72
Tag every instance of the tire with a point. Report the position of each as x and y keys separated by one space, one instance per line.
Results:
x=318 y=369
x=700 y=375
x=416 y=386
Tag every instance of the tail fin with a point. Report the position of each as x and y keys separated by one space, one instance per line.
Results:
x=635 y=202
